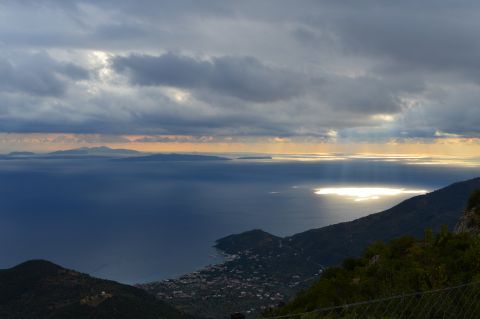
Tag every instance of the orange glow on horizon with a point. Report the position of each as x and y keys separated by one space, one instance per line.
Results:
x=451 y=147
x=419 y=149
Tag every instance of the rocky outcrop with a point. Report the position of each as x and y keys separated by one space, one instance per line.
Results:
x=469 y=222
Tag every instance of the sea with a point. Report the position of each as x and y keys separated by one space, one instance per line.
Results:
x=137 y=222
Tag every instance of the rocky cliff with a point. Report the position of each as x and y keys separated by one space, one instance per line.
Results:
x=469 y=222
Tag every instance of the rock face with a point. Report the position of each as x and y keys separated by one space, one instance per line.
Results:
x=469 y=222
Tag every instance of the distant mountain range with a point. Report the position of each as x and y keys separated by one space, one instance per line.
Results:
x=174 y=158
x=114 y=153
x=21 y=154
x=39 y=289
x=97 y=151
x=255 y=158
x=101 y=151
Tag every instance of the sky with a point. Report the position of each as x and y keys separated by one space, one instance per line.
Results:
x=262 y=76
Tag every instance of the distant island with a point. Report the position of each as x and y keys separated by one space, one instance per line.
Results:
x=174 y=157
x=76 y=153
x=117 y=155
x=96 y=151
x=21 y=153
x=255 y=158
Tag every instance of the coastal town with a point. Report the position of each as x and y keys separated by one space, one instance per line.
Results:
x=243 y=283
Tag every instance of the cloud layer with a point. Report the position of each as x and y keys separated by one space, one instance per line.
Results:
x=241 y=77
x=370 y=70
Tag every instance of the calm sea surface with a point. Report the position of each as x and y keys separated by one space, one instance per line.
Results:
x=139 y=221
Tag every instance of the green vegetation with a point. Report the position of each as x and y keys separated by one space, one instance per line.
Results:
x=264 y=264
x=405 y=265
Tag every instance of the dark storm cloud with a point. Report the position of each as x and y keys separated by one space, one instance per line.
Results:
x=273 y=67
x=38 y=74
x=243 y=77
x=361 y=95
x=412 y=40
x=457 y=113
x=119 y=31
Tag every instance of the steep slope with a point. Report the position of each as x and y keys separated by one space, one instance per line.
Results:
x=263 y=270
x=330 y=245
x=405 y=265
x=39 y=289
x=469 y=222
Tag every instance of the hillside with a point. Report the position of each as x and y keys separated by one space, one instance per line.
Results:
x=402 y=267
x=39 y=289
x=406 y=265
x=235 y=243
x=330 y=245
x=263 y=270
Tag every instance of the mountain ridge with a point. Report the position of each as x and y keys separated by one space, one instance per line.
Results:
x=403 y=266
x=174 y=157
x=276 y=268
x=38 y=289
x=434 y=209
x=98 y=151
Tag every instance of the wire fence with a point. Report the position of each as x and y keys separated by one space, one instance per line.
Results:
x=462 y=301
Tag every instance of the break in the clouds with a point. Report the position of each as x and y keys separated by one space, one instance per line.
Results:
x=318 y=69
